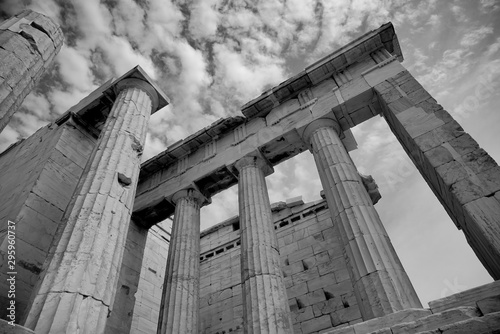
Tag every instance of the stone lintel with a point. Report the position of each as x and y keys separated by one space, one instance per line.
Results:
x=165 y=207
x=94 y=108
x=381 y=38
x=189 y=144
x=277 y=136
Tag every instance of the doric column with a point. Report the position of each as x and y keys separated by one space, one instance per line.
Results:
x=265 y=304
x=77 y=289
x=380 y=281
x=180 y=306
x=29 y=43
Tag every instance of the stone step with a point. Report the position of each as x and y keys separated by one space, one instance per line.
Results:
x=488 y=324
x=373 y=325
x=481 y=317
x=489 y=305
x=437 y=320
x=465 y=298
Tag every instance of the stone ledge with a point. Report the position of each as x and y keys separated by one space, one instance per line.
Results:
x=481 y=318
x=5 y=328
x=488 y=324
x=438 y=320
x=389 y=320
x=465 y=298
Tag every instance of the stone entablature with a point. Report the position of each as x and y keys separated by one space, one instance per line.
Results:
x=275 y=130
x=334 y=64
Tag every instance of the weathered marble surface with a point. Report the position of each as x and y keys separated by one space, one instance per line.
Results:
x=29 y=43
x=180 y=308
x=77 y=289
x=463 y=176
x=265 y=304
x=380 y=281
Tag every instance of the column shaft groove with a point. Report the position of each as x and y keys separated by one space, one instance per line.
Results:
x=179 y=311
x=265 y=304
x=380 y=281
x=77 y=289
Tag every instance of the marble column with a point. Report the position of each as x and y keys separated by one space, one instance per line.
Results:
x=76 y=291
x=29 y=42
x=265 y=303
x=180 y=306
x=379 y=279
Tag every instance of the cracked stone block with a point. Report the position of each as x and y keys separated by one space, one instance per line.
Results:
x=29 y=42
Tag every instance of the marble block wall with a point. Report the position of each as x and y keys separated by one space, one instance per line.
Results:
x=149 y=290
x=39 y=176
x=320 y=293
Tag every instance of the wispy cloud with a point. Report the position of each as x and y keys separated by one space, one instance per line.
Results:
x=488 y=6
x=460 y=14
x=475 y=36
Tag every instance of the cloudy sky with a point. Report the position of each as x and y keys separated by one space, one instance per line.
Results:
x=212 y=56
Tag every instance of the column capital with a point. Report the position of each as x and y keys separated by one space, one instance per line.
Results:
x=318 y=124
x=191 y=193
x=141 y=84
x=254 y=160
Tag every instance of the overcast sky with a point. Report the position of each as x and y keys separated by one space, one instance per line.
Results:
x=212 y=56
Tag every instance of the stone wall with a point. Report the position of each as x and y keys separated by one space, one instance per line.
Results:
x=127 y=288
x=152 y=275
x=221 y=303
x=319 y=290
x=29 y=43
x=38 y=178
x=464 y=177
x=139 y=289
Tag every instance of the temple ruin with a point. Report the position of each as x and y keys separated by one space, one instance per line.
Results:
x=92 y=255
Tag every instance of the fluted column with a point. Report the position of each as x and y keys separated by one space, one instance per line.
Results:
x=29 y=42
x=76 y=291
x=265 y=304
x=180 y=306
x=380 y=281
